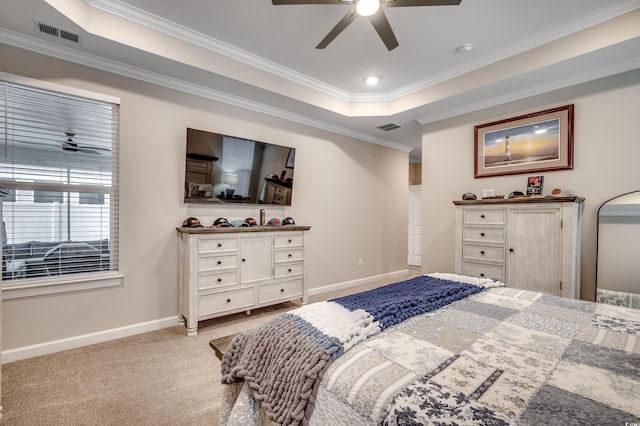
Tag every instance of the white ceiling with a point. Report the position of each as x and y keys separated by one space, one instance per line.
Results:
x=260 y=56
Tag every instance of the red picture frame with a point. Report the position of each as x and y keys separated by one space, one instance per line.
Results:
x=531 y=143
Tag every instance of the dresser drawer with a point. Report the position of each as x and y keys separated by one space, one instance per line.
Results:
x=217 y=279
x=287 y=270
x=483 y=270
x=483 y=235
x=288 y=240
x=280 y=195
x=289 y=255
x=478 y=252
x=279 y=198
x=280 y=291
x=226 y=301
x=217 y=244
x=198 y=165
x=217 y=261
x=484 y=216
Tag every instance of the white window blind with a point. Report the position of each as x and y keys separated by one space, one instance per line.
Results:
x=59 y=161
x=237 y=160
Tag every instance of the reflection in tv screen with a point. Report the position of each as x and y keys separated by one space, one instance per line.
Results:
x=223 y=169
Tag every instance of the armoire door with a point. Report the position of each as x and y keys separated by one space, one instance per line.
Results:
x=534 y=250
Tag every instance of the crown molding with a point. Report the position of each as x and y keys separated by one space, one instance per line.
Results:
x=170 y=28
x=552 y=32
x=529 y=91
x=47 y=48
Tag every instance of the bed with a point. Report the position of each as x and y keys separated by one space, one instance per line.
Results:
x=438 y=349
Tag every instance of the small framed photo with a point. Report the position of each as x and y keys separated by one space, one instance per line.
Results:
x=534 y=185
x=541 y=141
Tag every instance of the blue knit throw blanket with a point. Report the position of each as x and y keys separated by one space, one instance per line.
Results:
x=394 y=303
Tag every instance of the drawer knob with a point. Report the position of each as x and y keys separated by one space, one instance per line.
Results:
x=228 y=300
x=289 y=241
x=482 y=234
x=482 y=216
x=219 y=244
x=482 y=275
x=511 y=250
x=482 y=252
x=289 y=255
x=244 y=260
x=289 y=269
x=219 y=262
x=219 y=280
x=282 y=290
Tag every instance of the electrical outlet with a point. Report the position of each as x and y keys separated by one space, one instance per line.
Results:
x=360 y=261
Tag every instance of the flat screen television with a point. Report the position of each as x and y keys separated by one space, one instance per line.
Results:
x=224 y=169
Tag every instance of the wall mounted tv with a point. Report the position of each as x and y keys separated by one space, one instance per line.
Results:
x=223 y=169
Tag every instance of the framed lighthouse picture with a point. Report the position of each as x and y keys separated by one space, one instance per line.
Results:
x=540 y=141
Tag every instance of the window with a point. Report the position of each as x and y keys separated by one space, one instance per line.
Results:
x=237 y=162
x=59 y=162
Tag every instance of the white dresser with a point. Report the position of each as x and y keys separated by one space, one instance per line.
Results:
x=276 y=193
x=527 y=243
x=227 y=270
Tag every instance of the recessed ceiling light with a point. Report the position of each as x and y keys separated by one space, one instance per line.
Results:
x=372 y=80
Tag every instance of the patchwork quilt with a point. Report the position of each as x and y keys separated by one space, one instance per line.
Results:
x=497 y=357
x=284 y=360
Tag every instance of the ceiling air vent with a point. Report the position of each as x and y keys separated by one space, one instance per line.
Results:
x=57 y=32
x=69 y=36
x=389 y=127
x=48 y=29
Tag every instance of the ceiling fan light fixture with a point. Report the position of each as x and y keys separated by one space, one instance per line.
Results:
x=372 y=9
x=367 y=7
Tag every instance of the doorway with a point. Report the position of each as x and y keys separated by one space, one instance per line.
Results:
x=415 y=225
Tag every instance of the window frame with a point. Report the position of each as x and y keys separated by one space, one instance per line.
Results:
x=27 y=287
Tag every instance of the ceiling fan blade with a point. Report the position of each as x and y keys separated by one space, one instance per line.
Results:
x=89 y=151
x=405 y=3
x=383 y=28
x=281 y=2
x=69 y=146
x=95 y=149
x=72 y=146
x=340 y=26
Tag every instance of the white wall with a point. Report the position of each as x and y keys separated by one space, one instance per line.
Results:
x=606 y=163
x=353 y=194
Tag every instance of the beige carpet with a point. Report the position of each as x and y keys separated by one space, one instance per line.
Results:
x=157 y=378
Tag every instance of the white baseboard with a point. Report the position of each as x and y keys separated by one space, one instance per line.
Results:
x=353 y=283
x=46 y=348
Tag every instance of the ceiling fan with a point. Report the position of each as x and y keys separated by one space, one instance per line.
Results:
x=71 y=146
x=374 y=9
